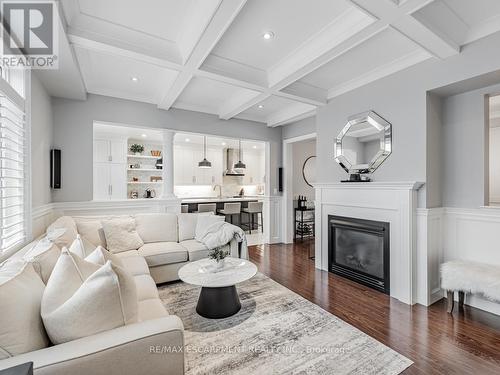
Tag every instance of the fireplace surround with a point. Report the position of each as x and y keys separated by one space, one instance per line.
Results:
x=359 y=250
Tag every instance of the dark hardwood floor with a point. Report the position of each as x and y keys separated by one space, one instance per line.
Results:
x=467 y=342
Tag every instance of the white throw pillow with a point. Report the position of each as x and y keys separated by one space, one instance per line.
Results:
x=187 y=224
x=100 y=256
x=90 y=228
x=81 y=247
x=43 y=256
x=82 y=299
x=68 y=236
x=204 y=222
x=21 y=327
x=121 y=234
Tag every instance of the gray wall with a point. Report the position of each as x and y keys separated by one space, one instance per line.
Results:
x=465 y=151
x=41 y=136
x=73 y=128
x=402 y=99
x=302 y=127
x=434 y=160
x=301 y=151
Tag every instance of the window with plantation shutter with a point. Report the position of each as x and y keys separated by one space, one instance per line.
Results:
x=13 y=174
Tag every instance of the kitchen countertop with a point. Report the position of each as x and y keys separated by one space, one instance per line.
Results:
x=222 y=199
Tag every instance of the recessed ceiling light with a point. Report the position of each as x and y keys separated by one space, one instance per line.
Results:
x=143 y=135
x=224 y=143
x=187 y=140
x=134 y=79
x=254 y=146
x=260 y=106
x=268 y=35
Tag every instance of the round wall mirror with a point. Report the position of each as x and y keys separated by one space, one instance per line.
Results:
x=309 y=170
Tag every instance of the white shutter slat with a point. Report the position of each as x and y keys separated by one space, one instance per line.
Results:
x=12 y=174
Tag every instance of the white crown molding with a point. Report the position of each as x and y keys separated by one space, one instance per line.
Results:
x=379 y=72
x=289 y=114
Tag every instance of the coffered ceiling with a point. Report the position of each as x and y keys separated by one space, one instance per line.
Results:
x=212 y=55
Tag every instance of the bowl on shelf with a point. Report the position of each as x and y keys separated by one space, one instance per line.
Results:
x=156 y=153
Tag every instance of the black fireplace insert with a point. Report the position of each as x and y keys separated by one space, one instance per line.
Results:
x=359 y=250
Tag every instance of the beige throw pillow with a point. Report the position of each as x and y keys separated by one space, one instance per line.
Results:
x=121 y=234
x=21 y=327
x=44 y=255
x=82 y=299
x=100 y=256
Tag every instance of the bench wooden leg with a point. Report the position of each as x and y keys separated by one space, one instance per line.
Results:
x=450 y=299
x=461 y=299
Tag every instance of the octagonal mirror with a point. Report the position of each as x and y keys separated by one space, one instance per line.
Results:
x=364 y=143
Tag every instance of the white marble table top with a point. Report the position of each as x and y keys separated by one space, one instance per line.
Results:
x=203 y=272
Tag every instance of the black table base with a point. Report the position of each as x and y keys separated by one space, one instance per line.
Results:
x=217 y=303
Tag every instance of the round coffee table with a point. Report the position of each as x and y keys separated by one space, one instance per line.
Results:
x=218 y=296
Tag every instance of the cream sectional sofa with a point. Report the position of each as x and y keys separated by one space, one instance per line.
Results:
x=152 y=346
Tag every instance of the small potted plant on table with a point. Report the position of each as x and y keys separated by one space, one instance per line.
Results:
x=218 y=255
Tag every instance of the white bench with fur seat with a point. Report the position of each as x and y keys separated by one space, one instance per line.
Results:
x=470 y=277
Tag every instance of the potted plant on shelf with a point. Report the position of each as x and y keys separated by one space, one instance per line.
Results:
x=137 y=149
x=218 y=255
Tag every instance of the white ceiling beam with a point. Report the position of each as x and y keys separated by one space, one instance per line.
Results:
x=241 y=103
x=224 y=16
x=401 y=19
x=292 y=113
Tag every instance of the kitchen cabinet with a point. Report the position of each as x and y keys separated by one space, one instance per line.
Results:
x=110 y=169
x=110 y=181
x=255 y=170
x=186 y=170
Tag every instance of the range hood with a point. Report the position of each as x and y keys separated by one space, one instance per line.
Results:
x=231 y=159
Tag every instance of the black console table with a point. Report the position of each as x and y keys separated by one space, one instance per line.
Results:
x=304 y=226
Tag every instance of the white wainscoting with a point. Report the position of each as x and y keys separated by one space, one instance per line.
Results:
x=473 y=234
x=272 y=218
x=41 y=217
x=392 y=202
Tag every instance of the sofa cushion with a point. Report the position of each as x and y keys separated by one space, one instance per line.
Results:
x=82 y=299
x=146 y=287
x=187 y=224
x=195 y=249
x=121 y=234
x=151 y=309
x=100 y=256
x=135 y=265
x=21 y=327
x=69 y=235
x=43 y=256
x=90 y=228
x=160 y=253
x=157 y=227
x=129 y=253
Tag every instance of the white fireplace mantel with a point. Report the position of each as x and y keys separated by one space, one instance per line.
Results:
x=392 y=202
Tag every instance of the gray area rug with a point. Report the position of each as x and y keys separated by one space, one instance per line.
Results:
x=276 y=332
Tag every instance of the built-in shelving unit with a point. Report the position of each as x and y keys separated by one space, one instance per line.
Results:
x=145 y=167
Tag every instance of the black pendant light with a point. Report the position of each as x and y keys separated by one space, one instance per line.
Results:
x=239 y=164
x=204 y=163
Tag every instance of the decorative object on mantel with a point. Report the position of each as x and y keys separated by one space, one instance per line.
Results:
x=159 y=163
x=309 y=170
x=363 y=145
x=155 y=178
x=156 y=153
x=218 y=255
x=204 y=163
x=134 y=194
x=149 y=193
x=135 y=179
x=137 y=149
